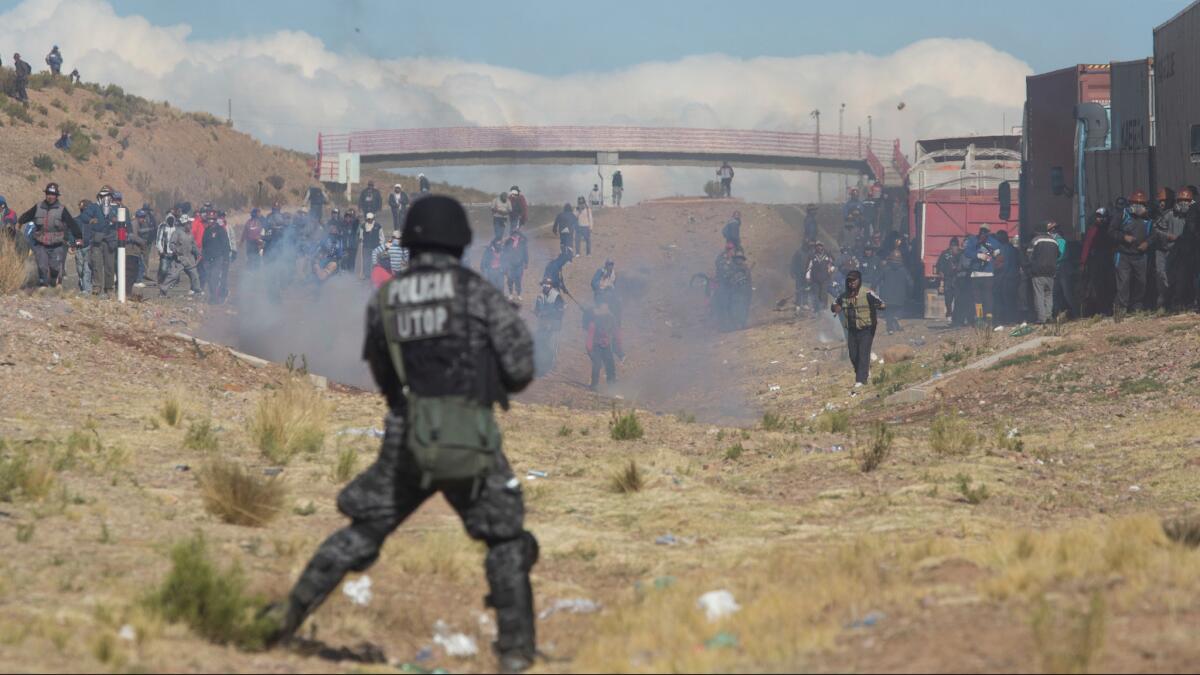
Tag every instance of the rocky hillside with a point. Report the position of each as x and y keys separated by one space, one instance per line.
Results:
x=149 y=150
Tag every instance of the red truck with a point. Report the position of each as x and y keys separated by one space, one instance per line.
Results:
x=955 y=185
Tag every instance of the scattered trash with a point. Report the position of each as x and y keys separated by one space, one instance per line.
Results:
x=837 y=448
x=667 y=539
x=424 y=654
x=458 y=645
x=531 y=474
x=359 y=590
x=868 y=621
x=997 y=329
x=1135 y=488
x=717 y=604
x=1013 y=433
x=24 y=315
x=272 y=470
x=182 y=467
x=774 y=362
x=1021 y=331
x=571 y=606
x=874 y=357
x=773 y=387
x=127 y=633
x=937 y=375
x=361 y=431
x=721 y=640
x=486 y=627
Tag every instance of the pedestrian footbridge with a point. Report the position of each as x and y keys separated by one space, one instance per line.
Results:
x=609 y=146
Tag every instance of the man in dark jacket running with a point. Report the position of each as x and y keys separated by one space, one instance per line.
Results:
x=858 y=308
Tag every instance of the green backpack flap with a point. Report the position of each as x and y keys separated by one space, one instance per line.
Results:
x=452 y=438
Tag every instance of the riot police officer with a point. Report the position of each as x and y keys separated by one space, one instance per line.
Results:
x=444 y=346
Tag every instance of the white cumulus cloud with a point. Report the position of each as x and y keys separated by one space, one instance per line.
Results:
x=288 y=85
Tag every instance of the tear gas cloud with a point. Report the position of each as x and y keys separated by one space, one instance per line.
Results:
x=288 y=85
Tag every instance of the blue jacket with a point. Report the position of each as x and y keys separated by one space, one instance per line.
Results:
x=95 y=224
x=732 y=231
x=979 y=258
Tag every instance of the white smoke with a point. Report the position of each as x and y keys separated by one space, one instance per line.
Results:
x=287 y=85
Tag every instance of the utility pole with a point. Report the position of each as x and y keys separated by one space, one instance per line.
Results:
x=816 y=114
x=229 y=117
x=842 y=144
x=870 y=133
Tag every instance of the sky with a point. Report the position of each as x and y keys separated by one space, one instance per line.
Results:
x=295 y=68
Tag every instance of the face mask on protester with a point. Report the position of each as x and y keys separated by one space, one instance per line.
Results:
x=1138 y=210
x=1182 y=207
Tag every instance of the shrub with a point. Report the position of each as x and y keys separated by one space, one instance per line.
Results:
x=14 y=272
x=833 y=421
x=171 y=410
x=1126 y=340
x=237 y=496
x=58 y=104
x=21 y=474
x=343 y=467
x=972 y=494
x=276 y=181
x=201 y=437
x=879 y=448
x=734 y=451
x=81 y=147
x=949 y=435
x=1018 y=360
x=628 y=480
x=1068 y=641
x=712 y=189
x=213 y=603
x=1142 y=385
x=564 y=431
x=1184 y=530
x=773 y=421
x=625 y=427
x=289 y=421
x=113 y=131
x=43 y=163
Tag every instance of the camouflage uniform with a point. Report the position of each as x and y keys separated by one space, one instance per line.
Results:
x=482 y=351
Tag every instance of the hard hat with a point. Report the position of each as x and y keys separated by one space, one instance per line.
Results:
x=117 y=196
x=1138 y=197
x=141 y=213
x=436 y=222
x=1184 y=194
x=52 y=189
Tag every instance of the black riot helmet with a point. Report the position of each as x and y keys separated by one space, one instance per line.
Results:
x=436 y=223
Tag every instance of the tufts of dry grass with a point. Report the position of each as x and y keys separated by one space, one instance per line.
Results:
x=201 y=437
x=344 y=464
x=289 y=421
x=949 y=435
x=1185 y=530
x=24 y=475
x=171 y=410
x=237 y=496
x=1067 y=641
x=13 y=271
x=833 y=421
x=627 y=480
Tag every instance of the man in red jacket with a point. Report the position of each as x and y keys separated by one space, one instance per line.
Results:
x=198 y=235
x=603 y=341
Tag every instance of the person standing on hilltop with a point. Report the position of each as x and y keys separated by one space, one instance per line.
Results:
x=422 y=184
x=21 y=81
x=618 y=187
x=725 y=173
x=370 y=200
x=54 y=59
x=583 y=230
x=52 y=223
x=858 y=309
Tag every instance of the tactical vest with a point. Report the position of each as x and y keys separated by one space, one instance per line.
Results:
x=49 y=228
x=452 y=438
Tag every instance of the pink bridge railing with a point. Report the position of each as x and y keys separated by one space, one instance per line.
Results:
x=603 y=139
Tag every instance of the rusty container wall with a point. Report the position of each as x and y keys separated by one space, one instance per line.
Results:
x=1131 y=105
x=1177 y=97
x=1050 y=143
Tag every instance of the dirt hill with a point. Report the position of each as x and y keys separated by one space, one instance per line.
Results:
x=149 y=151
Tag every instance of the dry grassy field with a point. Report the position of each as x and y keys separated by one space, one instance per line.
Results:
x=1011 y=520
